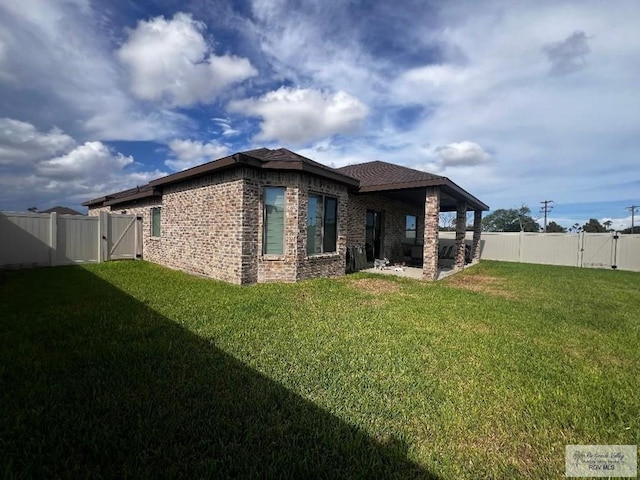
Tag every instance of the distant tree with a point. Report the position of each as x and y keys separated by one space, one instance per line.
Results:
x=607 y=225
x=510 y=220
x=448 y=222
x=575 y=228
x=593 y=226
x=628 y=230
x=33 y=209
x=553 y=227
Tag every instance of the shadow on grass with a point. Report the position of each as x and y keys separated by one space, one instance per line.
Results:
x=95 y=384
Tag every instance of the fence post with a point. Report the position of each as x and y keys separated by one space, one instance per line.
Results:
x=103 y=232
x=520 y=255
x=581 y=250
x=53 y=239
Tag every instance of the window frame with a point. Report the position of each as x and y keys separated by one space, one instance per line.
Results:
x=152 y=211
x=264 y=219
x=323 y=199
x=407 y=239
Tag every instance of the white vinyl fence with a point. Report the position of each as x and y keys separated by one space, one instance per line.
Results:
x=591 y=250
x=43 y=239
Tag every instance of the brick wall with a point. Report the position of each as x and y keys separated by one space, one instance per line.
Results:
x=294 y=264
x=202 y=226
x=94 y=212
x=213 y=226
x=326 y=264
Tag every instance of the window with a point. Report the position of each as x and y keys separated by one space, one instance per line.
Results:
x=155 y=221
x=273 y=236
x=411 y=228
x=322 y=224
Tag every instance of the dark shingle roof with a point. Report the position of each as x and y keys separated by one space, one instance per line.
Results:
x=372 y=174
x=263 y=158
x=387 y=177
x=61 y=210
x=365 y=177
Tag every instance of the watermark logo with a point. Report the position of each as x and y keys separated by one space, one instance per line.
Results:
x=601 y=460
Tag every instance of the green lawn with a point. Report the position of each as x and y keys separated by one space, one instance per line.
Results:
x=130 y=370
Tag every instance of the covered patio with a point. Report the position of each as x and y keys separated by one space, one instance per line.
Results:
x=388 y=190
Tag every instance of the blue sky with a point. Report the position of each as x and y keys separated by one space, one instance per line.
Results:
x=517 y=102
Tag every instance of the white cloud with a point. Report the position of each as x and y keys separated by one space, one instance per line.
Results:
x=44 y=168
x=22 y=142
x=189 y=153
x=170 y=61
x=58 y=67
x=550 y=136
x=299 y=115
x=90 y=159
x=315 y=45
x=225 y=125
x=462 y=154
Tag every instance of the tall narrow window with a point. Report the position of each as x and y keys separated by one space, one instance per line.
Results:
x=273 y=237
x=155 y=221
x=322 y=224
x=330 y=224
x=411 y=228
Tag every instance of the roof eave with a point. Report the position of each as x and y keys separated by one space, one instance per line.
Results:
x=200 y=170
x=459 y=191
x=442 y=182
x=96 y=201
x=402 y=185
x=130 y=198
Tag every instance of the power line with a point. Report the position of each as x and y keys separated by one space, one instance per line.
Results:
x=632 y=209
x=546 y=209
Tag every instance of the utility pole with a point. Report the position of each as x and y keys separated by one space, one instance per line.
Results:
x=546 y=209
x=632 y=209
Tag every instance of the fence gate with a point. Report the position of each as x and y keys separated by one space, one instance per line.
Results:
x=40 y=239
x=124 y=238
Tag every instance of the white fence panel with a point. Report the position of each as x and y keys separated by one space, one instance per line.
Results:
x=76 y=239
x=31 y=239
x=628 y=252
x=591 y=250
x=550 y=248
x=500 y=246
x=598 y=250
x=25 y=239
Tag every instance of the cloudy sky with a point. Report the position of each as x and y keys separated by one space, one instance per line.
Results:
x=517 y=102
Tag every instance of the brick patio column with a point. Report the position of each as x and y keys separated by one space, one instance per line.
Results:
x=431 y=221
x=461 y=227
x=477 y=232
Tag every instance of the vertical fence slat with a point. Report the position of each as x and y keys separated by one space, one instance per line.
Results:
x=53 y=239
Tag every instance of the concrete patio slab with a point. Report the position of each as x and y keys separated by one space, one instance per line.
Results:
x=444 y=271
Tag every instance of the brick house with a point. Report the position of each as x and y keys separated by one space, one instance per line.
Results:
x=273 y=215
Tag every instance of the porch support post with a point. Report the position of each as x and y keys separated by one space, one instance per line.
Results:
x=431 y=221
x=477 y=232
x=461 y=227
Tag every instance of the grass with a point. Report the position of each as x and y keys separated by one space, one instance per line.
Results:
x=130 y=370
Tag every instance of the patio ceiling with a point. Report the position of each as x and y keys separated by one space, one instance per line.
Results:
x=448 y=200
